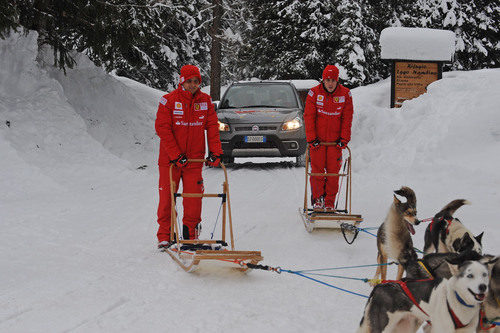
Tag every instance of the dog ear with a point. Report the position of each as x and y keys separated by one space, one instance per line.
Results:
x=453 y=265
x=479 y=237
x=457 y=245
x=396 y=200
x=492 y=261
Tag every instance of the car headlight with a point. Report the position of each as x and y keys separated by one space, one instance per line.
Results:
x=291 y=125
x=223 y=127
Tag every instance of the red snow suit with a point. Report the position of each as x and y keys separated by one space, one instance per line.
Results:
x=181 y=122
x=327 y=117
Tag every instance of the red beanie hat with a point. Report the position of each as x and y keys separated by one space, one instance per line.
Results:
x=331 y=72
x=189 y=71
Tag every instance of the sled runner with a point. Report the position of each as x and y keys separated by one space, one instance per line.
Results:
x=190 y=253
x=340 y=217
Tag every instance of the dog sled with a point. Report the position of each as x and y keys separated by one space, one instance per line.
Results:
x=190 y=253
x=340 y=217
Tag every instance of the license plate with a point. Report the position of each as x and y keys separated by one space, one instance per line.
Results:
x=255 y=138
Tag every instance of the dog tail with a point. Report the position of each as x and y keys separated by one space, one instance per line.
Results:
x=408 y=193
x=450 y=209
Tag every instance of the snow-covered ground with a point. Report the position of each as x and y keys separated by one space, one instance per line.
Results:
x=77 y=216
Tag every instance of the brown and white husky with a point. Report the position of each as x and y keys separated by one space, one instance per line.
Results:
x=394 y=235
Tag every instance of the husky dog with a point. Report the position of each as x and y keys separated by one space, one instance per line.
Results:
x=447 y=234
x=451 y=305
x=394 y=235
x=492 y=302
x=436 y=265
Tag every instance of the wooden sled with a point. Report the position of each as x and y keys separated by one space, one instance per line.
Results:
x=340 y=218
x=190 y=253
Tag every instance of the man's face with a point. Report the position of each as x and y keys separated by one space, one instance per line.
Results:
x=191 y=85
x=330 y=84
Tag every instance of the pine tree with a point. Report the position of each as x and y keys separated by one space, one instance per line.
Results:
x=9 y=17
x=356 y=45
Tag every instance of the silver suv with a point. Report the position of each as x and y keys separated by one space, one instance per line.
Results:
x=261 y=118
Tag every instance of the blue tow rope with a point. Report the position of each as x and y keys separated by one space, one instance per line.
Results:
x=324 y=283
x=369 y=233
x=344 y=267
x=341 y=277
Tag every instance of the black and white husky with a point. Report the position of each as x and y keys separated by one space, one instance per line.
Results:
x=492 y=302
x=450 y=305
x=394 y=235
x=447 y=234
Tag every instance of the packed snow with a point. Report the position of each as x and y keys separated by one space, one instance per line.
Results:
x=417 y=44
x=78 y=206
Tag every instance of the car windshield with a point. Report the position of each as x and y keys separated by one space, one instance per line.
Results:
x=259 y=95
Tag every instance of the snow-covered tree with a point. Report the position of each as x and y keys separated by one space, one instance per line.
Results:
x=356 y=45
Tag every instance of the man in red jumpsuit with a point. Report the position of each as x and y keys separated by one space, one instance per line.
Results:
x=182 y=119
x=328 y=118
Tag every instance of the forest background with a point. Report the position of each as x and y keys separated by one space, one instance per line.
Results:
x=149 y=40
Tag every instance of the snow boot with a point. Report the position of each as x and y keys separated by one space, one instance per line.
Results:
x=191 y=233
x=319 y=203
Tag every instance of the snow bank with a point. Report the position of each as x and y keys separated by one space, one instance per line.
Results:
x=117 y=112
x=45 y=130
x=417 y=44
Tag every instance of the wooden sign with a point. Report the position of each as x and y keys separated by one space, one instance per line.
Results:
x=410 y=79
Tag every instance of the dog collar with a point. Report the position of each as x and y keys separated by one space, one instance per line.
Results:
x=462 y=301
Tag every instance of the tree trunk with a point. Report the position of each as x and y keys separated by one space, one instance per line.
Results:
x=215 y=51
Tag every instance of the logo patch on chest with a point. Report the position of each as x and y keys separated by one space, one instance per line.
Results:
x=178 y=112
x=178 y=105
x=321 y=98
x=339 y=99
x=201 y=106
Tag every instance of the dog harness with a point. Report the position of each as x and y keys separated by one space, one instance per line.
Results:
x=407 y=291
x=458 y=324
x=493 y=322
x=447 y=227
x=483 y=320
x=425 y=269
x=456 y=321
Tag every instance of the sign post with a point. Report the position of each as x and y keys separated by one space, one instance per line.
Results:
x=409 y=79
x=417 y=56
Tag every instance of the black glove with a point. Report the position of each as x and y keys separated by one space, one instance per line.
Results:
x=314 y=143
x=180 y=161
x=212 y=160
x=341 y=143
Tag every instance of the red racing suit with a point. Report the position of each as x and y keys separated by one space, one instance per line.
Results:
x=181 y=122
x=327 y=117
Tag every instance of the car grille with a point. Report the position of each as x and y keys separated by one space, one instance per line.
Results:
x=249 y=128
x=255 y=145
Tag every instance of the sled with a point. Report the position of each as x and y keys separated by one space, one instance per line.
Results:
x=190 y=253
x=339 y=218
